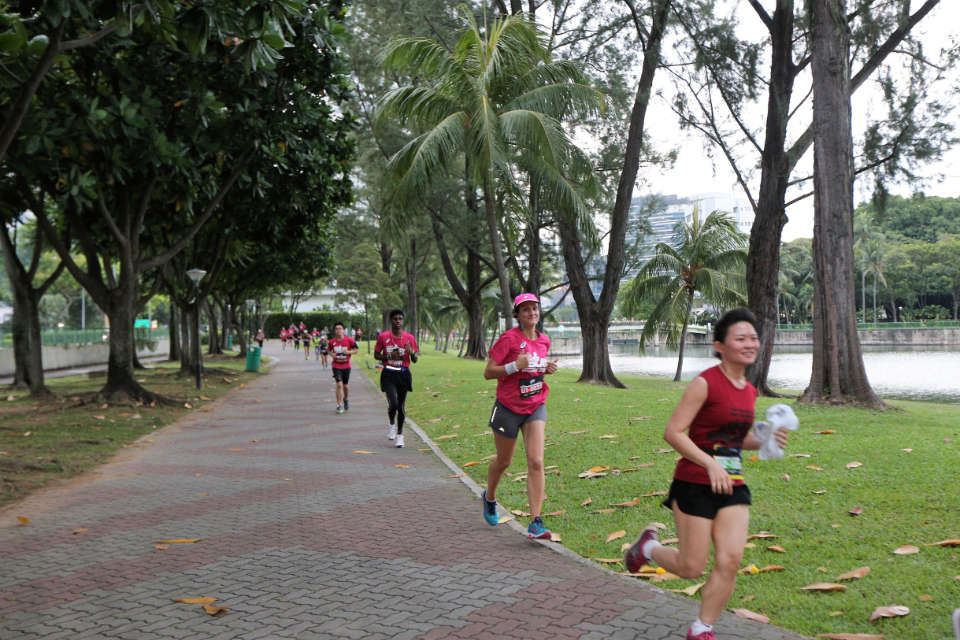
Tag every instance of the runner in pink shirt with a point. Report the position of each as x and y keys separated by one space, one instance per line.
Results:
x=519 y=362
x=342 y=347
x=396 y=349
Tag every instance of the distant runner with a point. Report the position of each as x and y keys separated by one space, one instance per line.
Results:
x=342 y=347
x=518 y=361
x=396 y=349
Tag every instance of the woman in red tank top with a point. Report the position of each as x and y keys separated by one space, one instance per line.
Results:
x=709 y=499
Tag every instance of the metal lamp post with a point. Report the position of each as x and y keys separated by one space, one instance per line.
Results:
x=250 y=321
x=196 y=275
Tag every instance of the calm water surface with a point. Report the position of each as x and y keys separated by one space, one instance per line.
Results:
x=913 y=373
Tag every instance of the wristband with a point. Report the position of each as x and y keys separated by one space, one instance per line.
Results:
x=510 y=367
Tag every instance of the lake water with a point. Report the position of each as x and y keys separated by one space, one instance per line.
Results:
x=913 y=373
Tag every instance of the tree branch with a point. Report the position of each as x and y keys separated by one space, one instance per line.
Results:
x=93 y=38
x=762 y=13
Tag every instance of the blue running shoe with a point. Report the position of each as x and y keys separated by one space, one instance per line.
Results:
x=346 y=405
x=537 y=531
x=489 y=510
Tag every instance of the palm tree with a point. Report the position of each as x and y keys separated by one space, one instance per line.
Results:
x=709 y=260
x=495 y=99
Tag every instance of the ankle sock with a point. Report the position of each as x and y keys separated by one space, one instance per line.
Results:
x=699 y=627
x=648 y=548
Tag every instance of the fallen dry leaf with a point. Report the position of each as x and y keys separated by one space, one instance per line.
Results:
x=856 y=511
x=507 y=519
x=23 y=519
x=650 y=494
x=749 y=570
x=691 y=590
x=637 y=418
x=908 y=450
x=214 y=610
x=772 y=567
x=161 y=547
x=364 y=452
x=609 y=436
x=890 y=611
x=402 y=466
x=824 y=586
x=750 y=615
x=943 y=543
x=850 y=636
x=607 y=560
x=605 y=511
x=205 y=600
x=188 y=405
x=254 y=441
x=100 y=417
x=906 y=550
x=814 y=467
x=826 y=432
x=861 y=572
x=926 y=597
x=448 y=436
x=180 y=541
x=819 y=492
x=616 y=535
x=786 y=477
x=631 y=503
x=854 y=464
x=799 y=455
x=471 y=464
x=81 y=530
x=576 y=433
x=760 y=535
x=586 y=502
x=520 y=513
x=556 y=514
x=555 y=537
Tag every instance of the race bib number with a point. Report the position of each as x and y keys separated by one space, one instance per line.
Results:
x=339 y=353
x=395 y=357
x=530 y=387
x=730 y=460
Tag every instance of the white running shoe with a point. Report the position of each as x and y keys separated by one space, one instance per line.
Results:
x=392 y=432
x=400 y=441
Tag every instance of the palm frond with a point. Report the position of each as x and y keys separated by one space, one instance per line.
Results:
x=561 y=100
x=425 y=106
x=417 y=161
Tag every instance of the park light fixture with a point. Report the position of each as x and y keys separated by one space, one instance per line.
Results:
x=196 y=275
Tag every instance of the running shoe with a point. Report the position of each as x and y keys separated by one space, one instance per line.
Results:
x=392 y=432
x=400 y=441
x=634 y=558
x=537 y=531
x=706 y=635
x=339 y=409
x=489 y=510
x=346 y=405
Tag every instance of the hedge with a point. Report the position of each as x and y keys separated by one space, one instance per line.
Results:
x=318 y=319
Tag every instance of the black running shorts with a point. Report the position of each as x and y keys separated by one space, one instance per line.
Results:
x=341 y=375
x=506 y=423
x=699 y=499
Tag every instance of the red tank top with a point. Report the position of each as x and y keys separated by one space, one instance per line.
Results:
x=720 y=426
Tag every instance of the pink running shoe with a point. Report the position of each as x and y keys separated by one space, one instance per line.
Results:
x=706 y=635
x=634 y=558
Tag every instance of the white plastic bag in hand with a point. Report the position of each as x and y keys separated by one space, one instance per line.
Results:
x=778 y=416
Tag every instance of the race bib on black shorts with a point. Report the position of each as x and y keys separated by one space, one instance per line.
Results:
x=530 y=387
x=729 y=458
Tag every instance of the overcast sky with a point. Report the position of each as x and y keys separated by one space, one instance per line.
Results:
x=695 y=172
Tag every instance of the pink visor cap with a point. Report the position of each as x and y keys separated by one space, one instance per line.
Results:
x=524 y=297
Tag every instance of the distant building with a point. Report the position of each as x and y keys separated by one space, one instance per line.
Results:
x=323 y=300
x=670 y=210
x=6 y=312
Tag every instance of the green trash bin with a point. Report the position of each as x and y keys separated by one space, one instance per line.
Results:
x=230 y=341
x=253 y=358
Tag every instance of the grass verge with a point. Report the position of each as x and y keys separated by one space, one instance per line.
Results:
x=905 y=485
x=48 y=441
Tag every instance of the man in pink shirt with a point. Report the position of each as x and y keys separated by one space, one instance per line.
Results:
x=396 y=349
x=342 y=347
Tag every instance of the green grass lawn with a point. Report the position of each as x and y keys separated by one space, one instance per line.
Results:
x=906 y=486
x=50 y=440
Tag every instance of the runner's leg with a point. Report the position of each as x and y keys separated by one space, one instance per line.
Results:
x=401 y=408
x=500 y=464
x=690 y=557
x=533 y=440
x=392 y=403
x=729 y=537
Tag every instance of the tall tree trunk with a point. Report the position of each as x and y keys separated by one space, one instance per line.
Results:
x=174 y=330
x=412 y=301
x=27 y=343
x=213 y=345
x=121 y=383
x=493 y=228
x=863 y=293
x=186 y=353
x=595 y=313
x=763 y=257
x=874 y=298
x=683 y=339
x=838 y=375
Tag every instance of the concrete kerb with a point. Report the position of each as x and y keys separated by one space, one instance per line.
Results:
x=513 y=524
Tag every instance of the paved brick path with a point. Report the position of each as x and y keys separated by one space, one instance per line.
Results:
x=302 y=538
